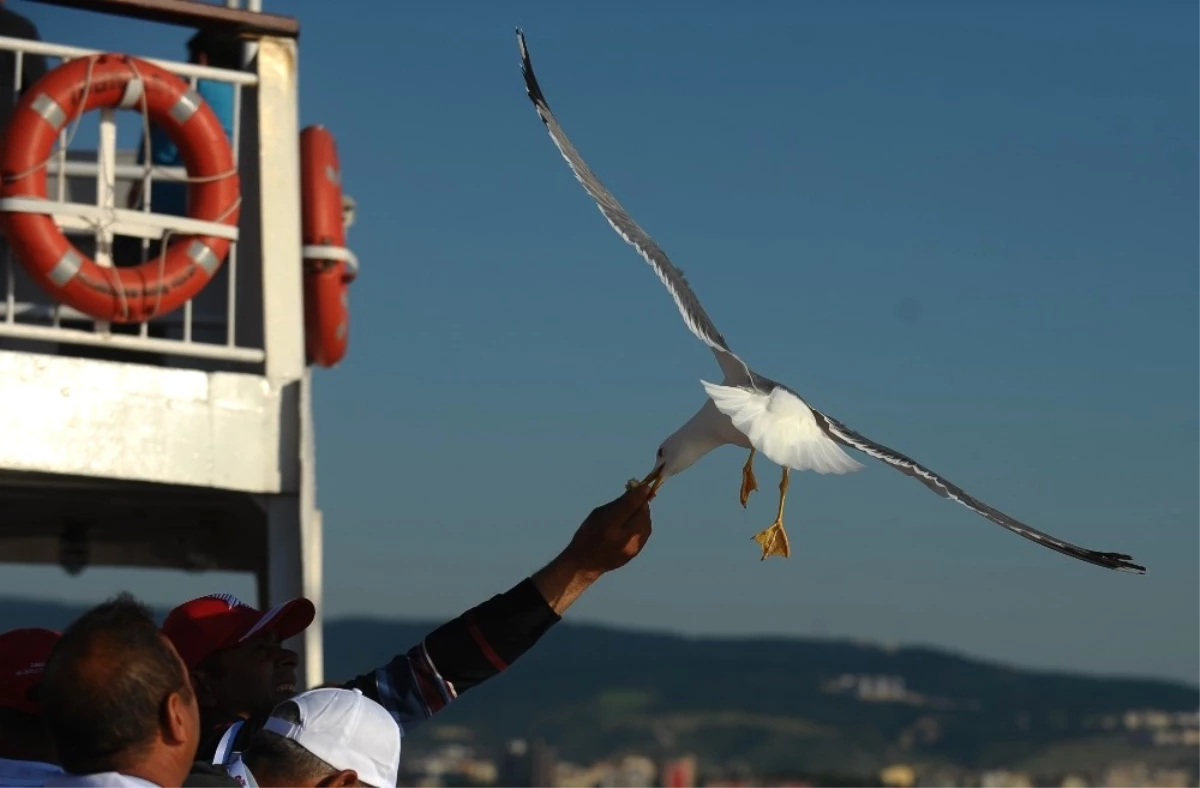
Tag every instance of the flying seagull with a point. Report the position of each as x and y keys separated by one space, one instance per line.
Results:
x=751 y=410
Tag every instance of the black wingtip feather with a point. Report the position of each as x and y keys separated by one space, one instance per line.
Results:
x=1116 y=561
x=1122 y=563
x=531 y=84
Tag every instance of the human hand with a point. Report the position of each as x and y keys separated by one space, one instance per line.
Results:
x=610 y=537
x=614 y=533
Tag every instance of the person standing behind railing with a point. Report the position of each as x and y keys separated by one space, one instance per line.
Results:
x=33 y=67
x=168 y=195
x=205 y=48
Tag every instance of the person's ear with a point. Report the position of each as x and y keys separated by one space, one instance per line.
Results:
x=342 y=779
x=175 y=713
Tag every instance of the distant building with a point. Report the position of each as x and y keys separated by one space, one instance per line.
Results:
x=1003 y=779
x=899 y=775
x=543 y=765
x=873 y=688
x=573 y=775
x=942 y=776
x=525 y=765
x=1125 y=775
x=633 y=771
x=678 y=773
x=1172 y=778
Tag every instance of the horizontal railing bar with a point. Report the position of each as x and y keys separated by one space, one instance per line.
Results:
x=23 y=310
x=146 y=344
x=174 y=66
x=124 y=221
x=131 y=172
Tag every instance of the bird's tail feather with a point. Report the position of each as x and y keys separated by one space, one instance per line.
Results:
x=789 y=437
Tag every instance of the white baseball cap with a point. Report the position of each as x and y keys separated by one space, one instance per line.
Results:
x=347 y=730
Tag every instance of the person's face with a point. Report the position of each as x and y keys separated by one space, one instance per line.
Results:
x=249 y=678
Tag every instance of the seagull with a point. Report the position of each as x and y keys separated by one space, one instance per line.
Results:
x=757 y=413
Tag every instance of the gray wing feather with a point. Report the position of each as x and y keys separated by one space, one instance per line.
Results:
x=693 y=313
x=945 y=488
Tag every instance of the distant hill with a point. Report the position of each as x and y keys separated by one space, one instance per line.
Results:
x=769 y=703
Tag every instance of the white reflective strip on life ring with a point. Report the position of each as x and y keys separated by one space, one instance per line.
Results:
x=186 y=106
x=134 y=89
x=50 y=110
x=339 y=253
x=65 y=269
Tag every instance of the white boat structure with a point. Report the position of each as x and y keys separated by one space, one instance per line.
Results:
x=184 y=442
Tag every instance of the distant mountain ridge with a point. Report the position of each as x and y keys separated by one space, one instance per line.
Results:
x=769 y=703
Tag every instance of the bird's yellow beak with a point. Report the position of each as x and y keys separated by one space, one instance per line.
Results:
x=655 y=480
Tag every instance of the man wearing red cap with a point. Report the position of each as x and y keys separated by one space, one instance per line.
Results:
x=27 y=753
x=240 y=670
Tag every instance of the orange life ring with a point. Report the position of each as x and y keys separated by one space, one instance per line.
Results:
x=128 y=294
x=329 y=267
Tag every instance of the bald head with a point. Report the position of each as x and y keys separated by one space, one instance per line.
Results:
x=112 y=687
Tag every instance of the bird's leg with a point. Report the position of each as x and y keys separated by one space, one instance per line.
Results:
x=749 y=483
x=774 y=540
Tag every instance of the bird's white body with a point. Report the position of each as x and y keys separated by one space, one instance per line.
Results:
x=782 y=427
x=779 y=425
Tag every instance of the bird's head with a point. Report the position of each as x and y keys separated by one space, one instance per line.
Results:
x=675 y=455
x=682 y=449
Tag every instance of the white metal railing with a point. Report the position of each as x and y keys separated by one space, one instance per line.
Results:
x=209 y=332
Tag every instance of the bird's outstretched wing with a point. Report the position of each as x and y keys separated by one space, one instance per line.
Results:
x=943 y=487
x=693 y=313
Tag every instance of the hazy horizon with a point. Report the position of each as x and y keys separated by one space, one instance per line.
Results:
x=666 y=631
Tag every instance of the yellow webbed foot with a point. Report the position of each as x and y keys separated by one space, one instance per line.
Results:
x=774 y=541
x=749 y=483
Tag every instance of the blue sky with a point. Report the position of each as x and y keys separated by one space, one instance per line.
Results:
x=967 y=230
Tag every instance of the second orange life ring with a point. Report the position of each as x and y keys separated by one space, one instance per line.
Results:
x=329 y=267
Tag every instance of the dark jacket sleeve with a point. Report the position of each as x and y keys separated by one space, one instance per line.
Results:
x=460 y=654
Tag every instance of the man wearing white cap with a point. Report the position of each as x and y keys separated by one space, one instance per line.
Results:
x=323 y=737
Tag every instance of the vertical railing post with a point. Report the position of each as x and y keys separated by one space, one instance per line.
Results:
x=294 y=523
x=106 y=193
x=10 y=274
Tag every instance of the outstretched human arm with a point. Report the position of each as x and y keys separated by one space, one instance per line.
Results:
x=482 y=642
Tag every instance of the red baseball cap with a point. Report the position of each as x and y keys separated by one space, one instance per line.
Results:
x=210 y=623
x=23 y=655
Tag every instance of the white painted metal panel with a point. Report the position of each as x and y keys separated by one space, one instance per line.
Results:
x=140 y=423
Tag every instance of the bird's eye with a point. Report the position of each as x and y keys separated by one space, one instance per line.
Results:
x=659 y=455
